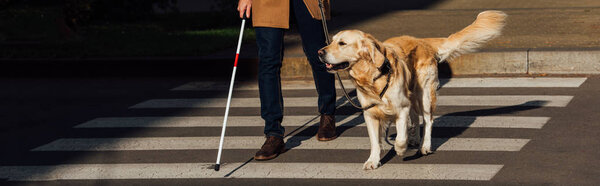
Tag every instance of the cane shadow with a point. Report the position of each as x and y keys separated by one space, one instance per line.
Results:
x=470 y=117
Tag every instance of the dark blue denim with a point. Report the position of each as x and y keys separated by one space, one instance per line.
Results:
x=270 y=53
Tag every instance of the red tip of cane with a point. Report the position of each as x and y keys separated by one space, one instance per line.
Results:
x=237 y=56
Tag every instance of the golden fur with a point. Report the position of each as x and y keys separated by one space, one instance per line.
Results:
x=413 y=82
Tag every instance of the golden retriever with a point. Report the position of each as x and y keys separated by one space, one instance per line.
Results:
x=397 y=80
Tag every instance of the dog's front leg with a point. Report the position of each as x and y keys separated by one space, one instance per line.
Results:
x=373 y=130
x=402 y=132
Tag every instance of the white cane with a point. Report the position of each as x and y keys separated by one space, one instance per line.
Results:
x=237 y=55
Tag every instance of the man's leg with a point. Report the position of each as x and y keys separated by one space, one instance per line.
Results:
x=270 y=53
x=313 y=39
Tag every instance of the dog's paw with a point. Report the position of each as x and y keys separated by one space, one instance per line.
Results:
x=426 y=149
x=371 y=165
x=400 y=148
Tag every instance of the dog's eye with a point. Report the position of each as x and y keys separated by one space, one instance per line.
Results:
x=341 y=43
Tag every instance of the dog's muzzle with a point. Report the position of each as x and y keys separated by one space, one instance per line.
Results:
x=340 y=66
x=331 y=67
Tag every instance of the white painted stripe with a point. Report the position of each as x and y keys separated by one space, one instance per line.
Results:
x=287 y=85
x=512 y=82
x=504 y=100
x=254 y=142
x=450 y=83
x=479 y=144
x=250 y=170
x=342 y=120
x=200 y=121
x=491 y=122
x=530 y=100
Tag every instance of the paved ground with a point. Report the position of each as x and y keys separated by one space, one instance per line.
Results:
x=538 y=37
x=536 y=24
x=159 y=131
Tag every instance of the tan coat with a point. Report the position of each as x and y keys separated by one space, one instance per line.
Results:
x=276 y=13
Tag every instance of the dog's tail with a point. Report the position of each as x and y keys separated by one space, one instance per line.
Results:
x=486 y=27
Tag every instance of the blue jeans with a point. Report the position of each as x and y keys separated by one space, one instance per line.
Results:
x=270 y=53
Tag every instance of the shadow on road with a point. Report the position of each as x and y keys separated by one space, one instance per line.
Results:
x=310 y=131
x=481 y=112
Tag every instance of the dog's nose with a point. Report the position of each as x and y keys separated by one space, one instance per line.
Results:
x=321 y=52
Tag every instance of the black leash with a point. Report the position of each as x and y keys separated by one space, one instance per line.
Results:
x=384 y=69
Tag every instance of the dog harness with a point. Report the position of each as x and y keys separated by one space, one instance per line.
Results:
x=384 y=70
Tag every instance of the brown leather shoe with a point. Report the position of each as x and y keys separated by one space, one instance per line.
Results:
x=326 y=128
x=272 y=147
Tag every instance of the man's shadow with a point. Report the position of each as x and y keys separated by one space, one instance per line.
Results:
x=343 y=111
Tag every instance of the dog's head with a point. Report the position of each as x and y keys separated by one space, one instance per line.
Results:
x=348 y=48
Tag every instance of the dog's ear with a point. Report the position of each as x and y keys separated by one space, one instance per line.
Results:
x=366 y=50
x=371 y=47
x=374 y=41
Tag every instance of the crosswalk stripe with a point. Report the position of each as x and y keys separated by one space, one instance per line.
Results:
x=511 y=82
x=530 y=100
x=448 y=83
x=341 y=120
x=306 y=169
x=250 y=170
x=480 y=100
x=254 y=142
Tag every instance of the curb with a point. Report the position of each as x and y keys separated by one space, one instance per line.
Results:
x=564 y=61
x=508 y=62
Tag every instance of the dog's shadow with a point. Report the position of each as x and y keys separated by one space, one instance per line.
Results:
x=469 y=117
x=345 y=110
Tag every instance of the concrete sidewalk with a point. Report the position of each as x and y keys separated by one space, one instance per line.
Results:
x=541 y=36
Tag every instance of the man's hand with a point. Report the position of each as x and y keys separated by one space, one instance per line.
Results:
x=244 y=6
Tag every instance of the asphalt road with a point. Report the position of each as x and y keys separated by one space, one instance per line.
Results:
x=154 y=131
